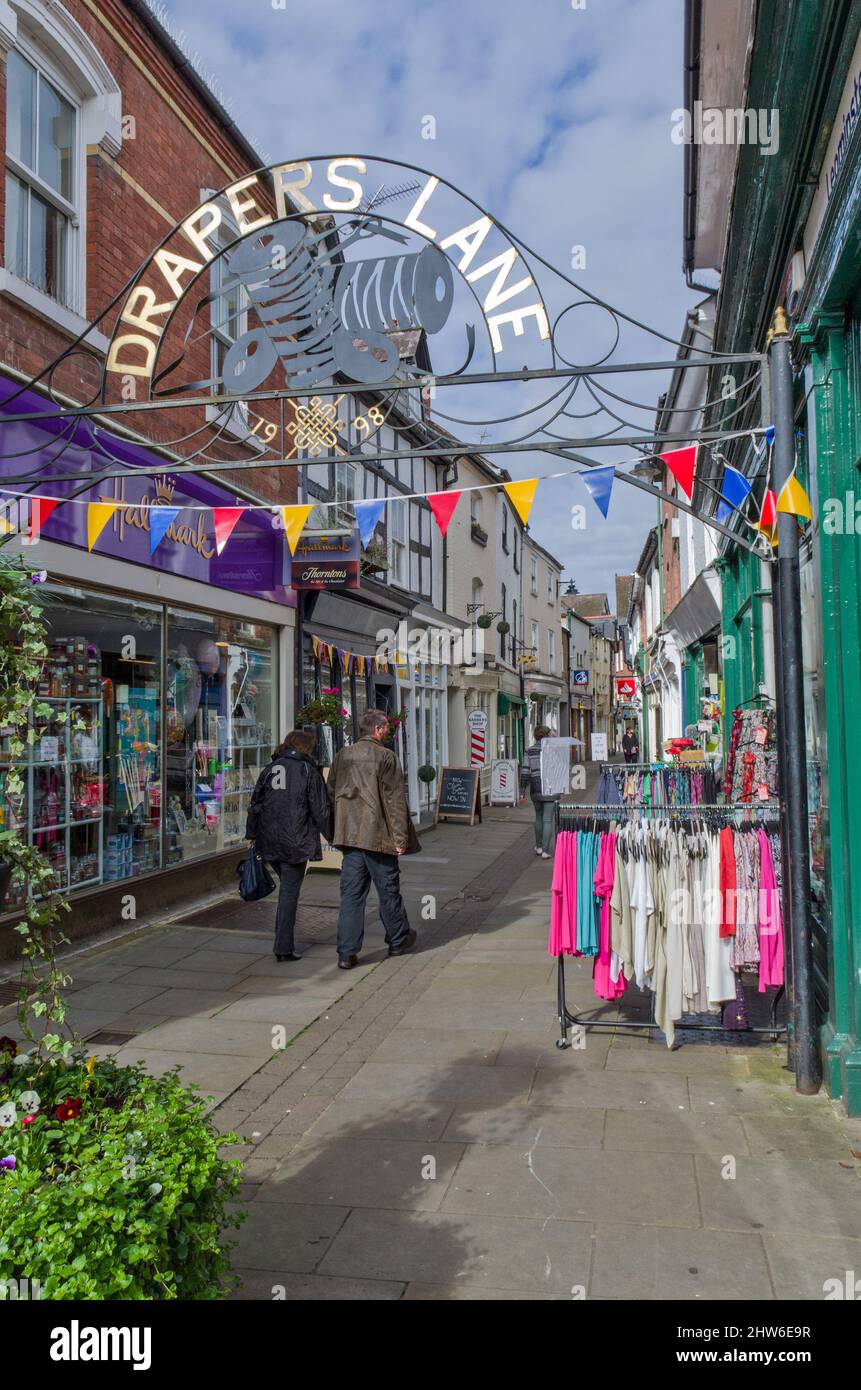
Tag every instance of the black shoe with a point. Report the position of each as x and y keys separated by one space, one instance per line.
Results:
x=347 y=962
x=291 y=955
x=407 y=944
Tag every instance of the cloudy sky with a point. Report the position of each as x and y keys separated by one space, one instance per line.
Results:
x=555 y=118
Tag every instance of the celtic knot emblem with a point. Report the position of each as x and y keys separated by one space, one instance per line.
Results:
x=316 y=426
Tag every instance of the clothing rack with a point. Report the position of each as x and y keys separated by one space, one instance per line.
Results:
x=586 y=1020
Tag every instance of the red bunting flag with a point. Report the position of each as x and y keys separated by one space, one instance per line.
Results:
x=681 y=463
x=40 y=509
x=442 y=504
x=224 y=520
x=768 y=516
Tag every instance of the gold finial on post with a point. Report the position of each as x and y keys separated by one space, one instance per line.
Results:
x=779 y=326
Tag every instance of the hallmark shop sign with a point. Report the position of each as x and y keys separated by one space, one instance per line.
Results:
x=326 y=560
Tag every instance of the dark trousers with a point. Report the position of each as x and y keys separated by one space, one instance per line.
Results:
x=291 y=876
x=361 y=868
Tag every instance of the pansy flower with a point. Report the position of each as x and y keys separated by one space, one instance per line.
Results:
x=7 y=1164
x=29 y=1102
x=8 y=1114
x=68 y=1109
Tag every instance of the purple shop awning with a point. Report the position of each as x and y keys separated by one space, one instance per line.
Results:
x=255 y=560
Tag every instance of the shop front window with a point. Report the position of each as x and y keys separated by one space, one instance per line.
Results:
x=92 y=777
x=220 y=707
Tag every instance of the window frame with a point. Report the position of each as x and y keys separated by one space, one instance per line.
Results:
x=74 y=211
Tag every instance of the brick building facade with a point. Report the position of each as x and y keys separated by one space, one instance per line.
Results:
x=174 y=658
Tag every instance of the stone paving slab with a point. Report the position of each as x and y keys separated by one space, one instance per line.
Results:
x=407 y=1080
x=506 y=1179
x=362 y=1172
x=294 y=1244
x=381 y=1118
x=801 y=1265
x=660 y=1131
x=780 y=1194
x=441 y=1045
x=534 y=1256
x=649 y=1262
x=528 y=1125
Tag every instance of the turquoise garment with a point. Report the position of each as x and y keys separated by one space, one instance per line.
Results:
x=587 y=862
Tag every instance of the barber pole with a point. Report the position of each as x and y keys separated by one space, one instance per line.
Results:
x=477 y=724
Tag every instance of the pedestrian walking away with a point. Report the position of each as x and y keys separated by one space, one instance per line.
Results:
x=290 y=809
x=373 y=829
x=543 y=806
x=630 y=745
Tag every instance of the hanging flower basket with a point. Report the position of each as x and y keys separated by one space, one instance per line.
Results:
x=326 y=709
x=427 y=773
x=483 y=620
x=503 y=626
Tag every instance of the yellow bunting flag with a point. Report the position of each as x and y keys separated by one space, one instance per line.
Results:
x=521 y=496
x=98 y=516
x=793 y=499
x=294 y=519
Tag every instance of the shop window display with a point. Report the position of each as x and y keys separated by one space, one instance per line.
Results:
x=92 y=795
x=219 y=722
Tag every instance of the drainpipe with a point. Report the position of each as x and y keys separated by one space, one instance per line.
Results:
x=791 y=727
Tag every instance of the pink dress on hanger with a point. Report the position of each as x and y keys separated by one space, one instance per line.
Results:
x=770 y=924
x=563 y=896
x=605 y=987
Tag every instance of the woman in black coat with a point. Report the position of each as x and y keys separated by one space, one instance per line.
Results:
x=290 y=809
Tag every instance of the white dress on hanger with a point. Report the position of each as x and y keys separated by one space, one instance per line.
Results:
x=720 y=975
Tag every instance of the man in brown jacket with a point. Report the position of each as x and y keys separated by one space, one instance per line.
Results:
x=372 y=829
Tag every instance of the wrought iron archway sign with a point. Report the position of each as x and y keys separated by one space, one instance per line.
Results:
x=299 y=278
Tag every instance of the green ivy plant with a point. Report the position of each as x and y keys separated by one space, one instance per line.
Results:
x=23 y=719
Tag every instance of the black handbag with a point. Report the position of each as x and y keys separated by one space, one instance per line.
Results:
x=255 y=880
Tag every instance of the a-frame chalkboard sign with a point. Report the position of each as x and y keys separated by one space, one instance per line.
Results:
x=459 y=794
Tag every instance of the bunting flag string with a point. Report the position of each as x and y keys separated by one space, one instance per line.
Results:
x=598 y=480
x=350 y=662
x=224 y=521
x=522 y=495
x=599 y=485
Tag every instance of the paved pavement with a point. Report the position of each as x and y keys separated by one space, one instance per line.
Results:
x=421 y=1136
